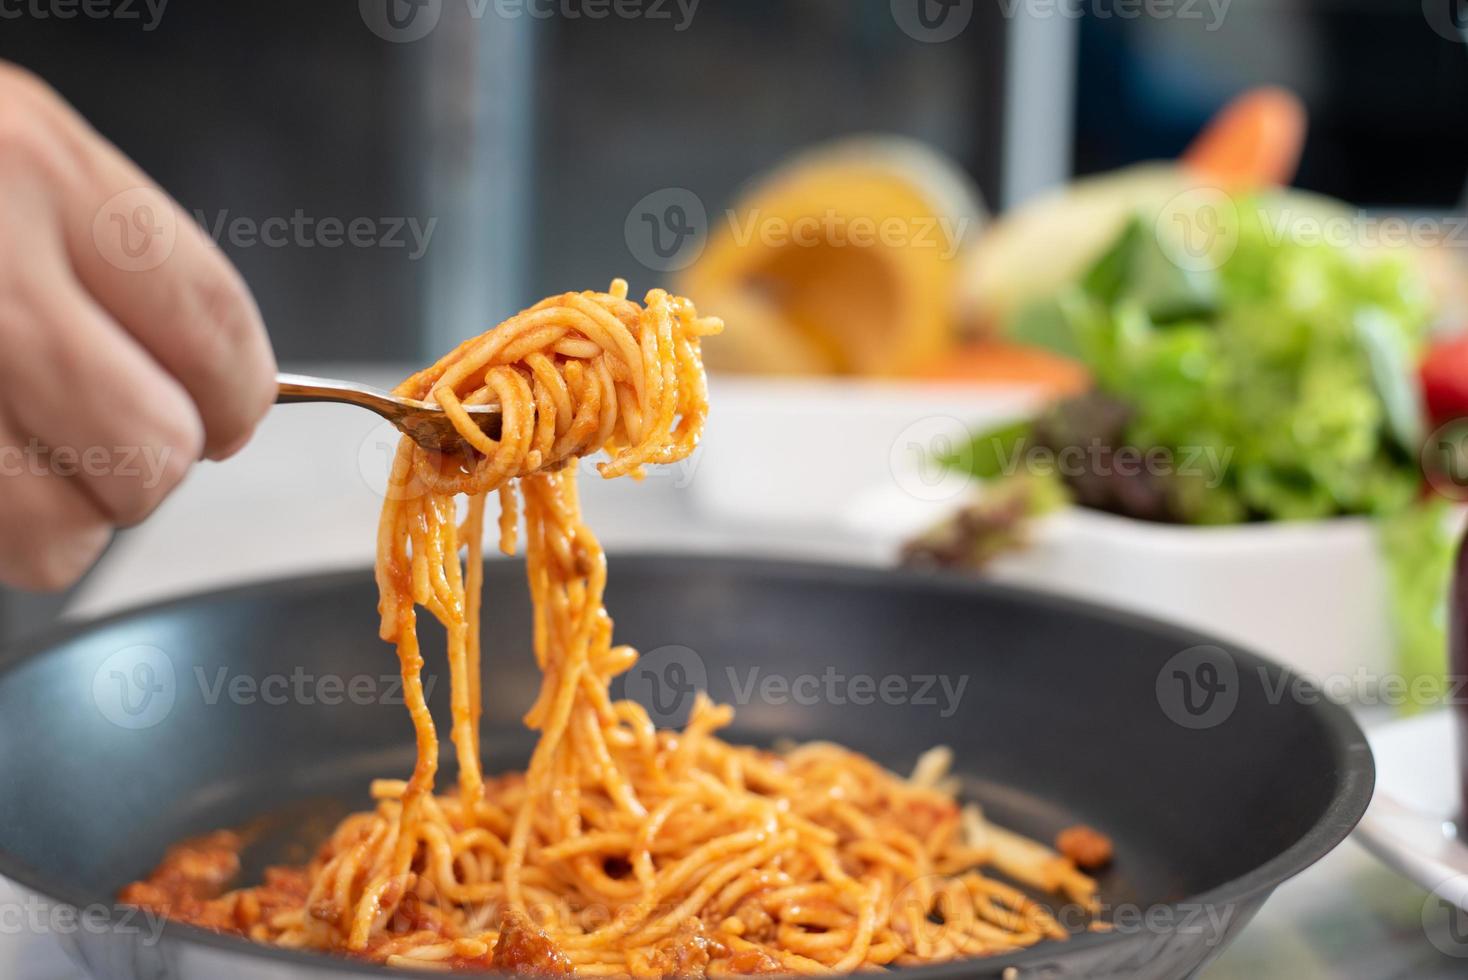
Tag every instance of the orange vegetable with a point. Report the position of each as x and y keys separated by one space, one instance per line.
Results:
x=1254 y=141
x=1002 y=362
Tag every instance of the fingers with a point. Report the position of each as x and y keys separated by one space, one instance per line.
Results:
x=111 y=419
x=50 y=531
x=155 y=272
x=192 y=313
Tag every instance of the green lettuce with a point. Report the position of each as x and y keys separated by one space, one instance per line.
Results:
x=1288 y=358
x=1294 y=357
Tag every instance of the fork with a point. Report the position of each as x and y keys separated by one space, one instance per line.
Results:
x=427 y=425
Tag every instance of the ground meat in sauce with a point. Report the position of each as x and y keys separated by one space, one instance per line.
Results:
x=749 y=961
x=189 y=886
x=524 y=949
x=1089 y=849
x=187 y=883
x=687 y=953
x=759 y=925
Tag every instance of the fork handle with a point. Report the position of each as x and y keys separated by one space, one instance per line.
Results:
x=292 y=388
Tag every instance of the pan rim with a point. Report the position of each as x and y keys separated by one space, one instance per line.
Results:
x=1353 y=777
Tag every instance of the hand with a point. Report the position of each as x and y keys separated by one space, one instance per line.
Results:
x=129 y=346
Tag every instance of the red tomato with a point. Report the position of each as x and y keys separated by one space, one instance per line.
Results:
x=1444 y=375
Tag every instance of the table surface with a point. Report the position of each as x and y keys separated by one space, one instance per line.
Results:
x=1349 y=916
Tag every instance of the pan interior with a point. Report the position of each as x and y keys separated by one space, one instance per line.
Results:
x=279 y=704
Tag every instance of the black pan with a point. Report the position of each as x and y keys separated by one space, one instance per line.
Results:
x=1216 y=774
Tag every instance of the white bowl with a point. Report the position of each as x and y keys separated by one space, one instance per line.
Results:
x=1311 y=594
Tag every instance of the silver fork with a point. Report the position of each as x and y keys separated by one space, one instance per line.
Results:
x=427 y=425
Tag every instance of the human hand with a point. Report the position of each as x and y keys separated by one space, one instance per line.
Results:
x=129 y=345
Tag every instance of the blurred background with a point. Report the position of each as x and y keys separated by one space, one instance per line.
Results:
x=494 y=151
x=527 y=130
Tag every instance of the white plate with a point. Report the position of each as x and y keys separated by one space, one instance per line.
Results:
x=1410 y=823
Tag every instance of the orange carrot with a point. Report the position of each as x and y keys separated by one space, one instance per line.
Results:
x=1254 y=141
x=1000 y=362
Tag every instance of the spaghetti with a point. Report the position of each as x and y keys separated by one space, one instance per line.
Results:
x=621 y=850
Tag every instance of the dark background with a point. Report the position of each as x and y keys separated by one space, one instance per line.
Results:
x=1387 y=96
